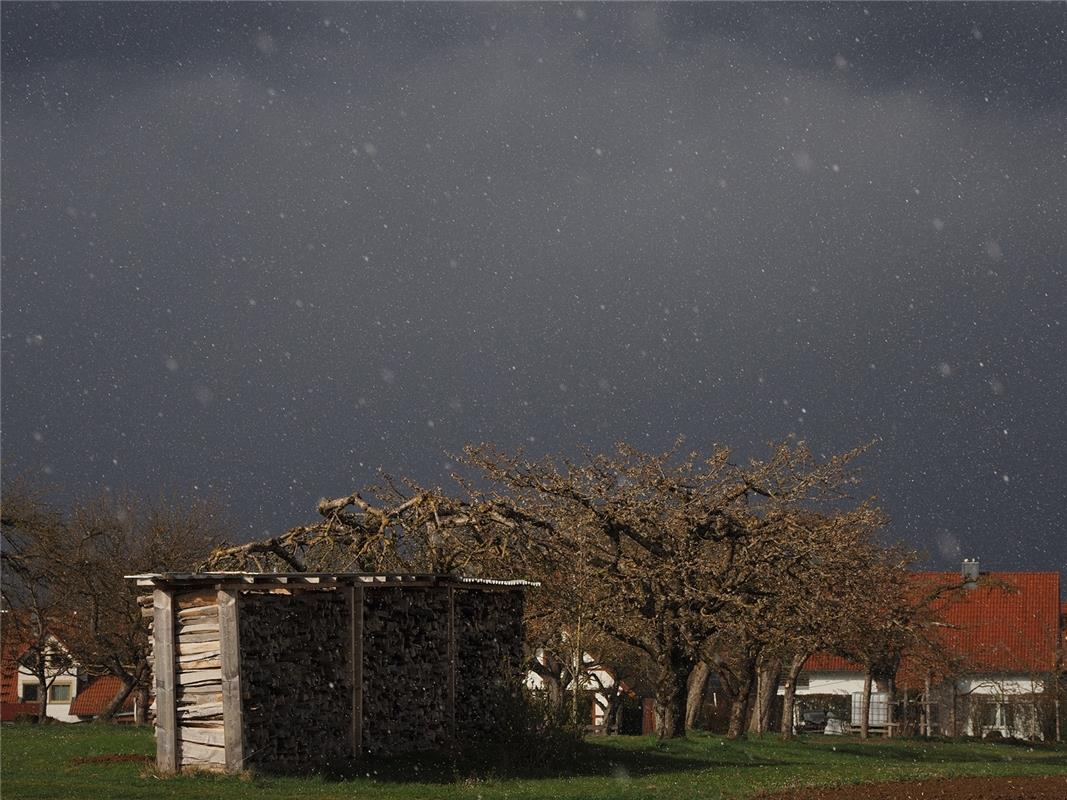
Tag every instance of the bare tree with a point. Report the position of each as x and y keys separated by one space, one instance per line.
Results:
x=670 y=543
x=32 y=530
x=795 y=606
x=677 y=544
x=77 y=562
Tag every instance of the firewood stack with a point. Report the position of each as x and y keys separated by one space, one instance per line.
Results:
x=199 y=681
x=488 y=631
x=295 y=679
x=147 y=614
x=294 y=672
x=405 y=670
x=198 y=689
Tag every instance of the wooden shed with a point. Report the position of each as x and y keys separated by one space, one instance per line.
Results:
x=296 y=672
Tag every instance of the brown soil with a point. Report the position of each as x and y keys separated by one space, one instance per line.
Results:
x=111 y=758
x=1045 y=787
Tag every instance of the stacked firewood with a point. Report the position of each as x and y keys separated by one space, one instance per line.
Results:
x=488 y=630
x=296 y=679
x=405 y=669
x=198 y=675
x=198 y=678
x=147 y=614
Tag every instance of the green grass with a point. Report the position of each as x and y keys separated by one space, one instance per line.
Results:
x=38 y=762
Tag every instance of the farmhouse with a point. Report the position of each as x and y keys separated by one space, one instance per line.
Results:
x=998 y=641
x=20 y=688
x=596 y=680
x=291 y=672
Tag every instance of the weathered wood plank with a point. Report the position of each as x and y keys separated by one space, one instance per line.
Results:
x=205 y=597
x=164 y=673
x=206 y=694
x=203 y=752
x=200 y=711
x=191 y=658
x=193 y=638
x=191 y=693
x=189 y=648
x=204 y=663
x=198 y=627
x=230 y=659
x=185 y=678
x=214 y=736
x=198 y=611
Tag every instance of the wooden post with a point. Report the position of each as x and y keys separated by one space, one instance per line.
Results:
x=451 y=710
x=230 y=652
x=355 y=602
x=167 y=757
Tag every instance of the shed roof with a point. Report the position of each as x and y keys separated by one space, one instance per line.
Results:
x=180 y=579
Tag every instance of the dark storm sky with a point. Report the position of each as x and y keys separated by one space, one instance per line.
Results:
x=261 y=251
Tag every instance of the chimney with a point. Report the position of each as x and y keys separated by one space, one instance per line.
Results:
x=969 y=573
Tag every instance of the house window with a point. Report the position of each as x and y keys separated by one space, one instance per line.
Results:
x=59 y=693
x=29 y=692
x=803 y=683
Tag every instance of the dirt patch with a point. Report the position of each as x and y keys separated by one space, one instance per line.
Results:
x=111 y=758
x=1044 y=787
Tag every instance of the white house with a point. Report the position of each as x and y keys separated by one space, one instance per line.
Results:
x=62 y=684
x=1002 y=631
x=594 y=678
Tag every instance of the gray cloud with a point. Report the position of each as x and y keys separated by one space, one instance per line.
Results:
x=266 y=254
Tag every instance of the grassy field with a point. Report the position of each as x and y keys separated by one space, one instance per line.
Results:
x=63 y=761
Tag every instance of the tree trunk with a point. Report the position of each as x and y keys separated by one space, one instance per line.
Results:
x=927 y=707
x=865 y=705
x=796 y=666
x=954 y=724
x=127 y=686
x=40 y=671
x=1056 y=708
x=739 y=713
x=768 y=678
x=671 y=695
x=737 y=686
x=696 y=690
x=140 y=709
x=552 y=675
x=891 y=690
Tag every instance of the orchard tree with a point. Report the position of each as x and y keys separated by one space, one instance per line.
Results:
x=36 y=607
x=76 y=562
x=668 y=545
x=677 y=545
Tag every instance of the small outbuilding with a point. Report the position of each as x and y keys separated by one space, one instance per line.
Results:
x=295 y=672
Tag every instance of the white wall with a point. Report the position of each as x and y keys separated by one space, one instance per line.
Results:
x=57 y=711
x=607 y=680
x=999 y=685
x=831 y=683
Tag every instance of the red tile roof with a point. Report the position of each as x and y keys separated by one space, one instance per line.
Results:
x=828 y=662
x=12 y=646
x=1010 y=624
x=94 y=698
